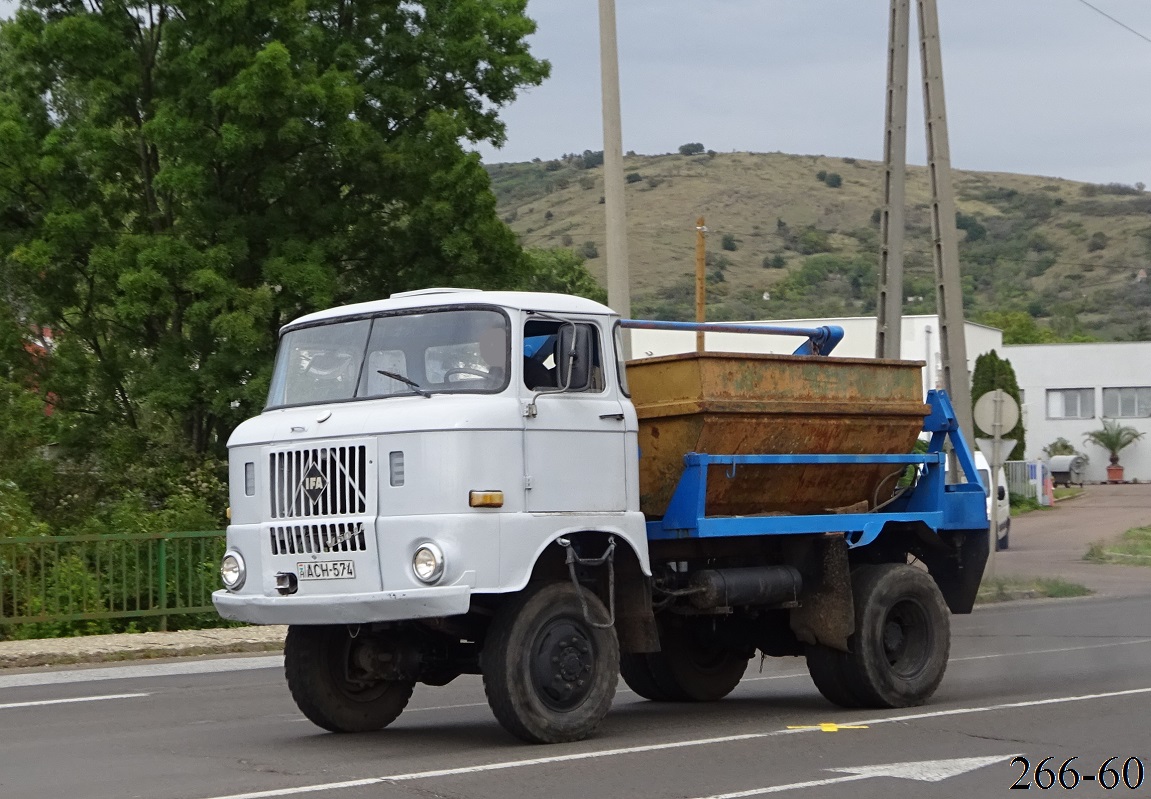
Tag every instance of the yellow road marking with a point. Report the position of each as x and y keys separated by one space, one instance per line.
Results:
x=826 y=726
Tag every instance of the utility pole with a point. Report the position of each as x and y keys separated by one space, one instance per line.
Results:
x=618 y=288
x=889 y=327
x=700 y=280
x=945 y=239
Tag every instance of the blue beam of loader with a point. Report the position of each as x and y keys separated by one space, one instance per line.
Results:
x=820 y=340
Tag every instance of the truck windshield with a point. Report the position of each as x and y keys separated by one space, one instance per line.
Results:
x=449 y=351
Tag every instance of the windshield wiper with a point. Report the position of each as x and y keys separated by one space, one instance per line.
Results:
x=406 y=381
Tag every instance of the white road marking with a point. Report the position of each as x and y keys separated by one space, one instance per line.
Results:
x=73 y=699
x=631 y=750
x=923 y=771
x=143 y=670
x=1052 y=651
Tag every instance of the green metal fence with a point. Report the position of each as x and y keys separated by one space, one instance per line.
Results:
x=60 y=579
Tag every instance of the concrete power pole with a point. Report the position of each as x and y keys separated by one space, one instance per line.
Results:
x=618 y=285
x=945 y=249
x=888 y=330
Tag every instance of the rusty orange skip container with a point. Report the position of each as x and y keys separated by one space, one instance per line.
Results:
x=747 y=404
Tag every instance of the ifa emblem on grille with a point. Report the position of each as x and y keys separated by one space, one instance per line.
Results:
x=314 y=484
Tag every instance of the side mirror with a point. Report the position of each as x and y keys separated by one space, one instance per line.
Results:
x=1002 y=492
x=573 y=357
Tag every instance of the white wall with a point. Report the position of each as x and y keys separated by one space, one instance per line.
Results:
x=1095 y=366
x=919 y=341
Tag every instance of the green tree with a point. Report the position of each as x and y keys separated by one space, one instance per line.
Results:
x=691 y=148
x=992 y=372
x=1018 y=327
x=563 y=271
x=180 y=179
x=729 y=243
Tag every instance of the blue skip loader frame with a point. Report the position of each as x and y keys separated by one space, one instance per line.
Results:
x=931 y=500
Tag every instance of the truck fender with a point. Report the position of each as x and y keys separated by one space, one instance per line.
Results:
x=634 y=617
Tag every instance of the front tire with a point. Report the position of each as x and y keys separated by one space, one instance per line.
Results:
x=898 y=652
x=328 y=688
x=549 y=675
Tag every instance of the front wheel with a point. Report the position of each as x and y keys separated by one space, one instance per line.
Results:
x=549 y=675
x=330 y=687
x=899 y=650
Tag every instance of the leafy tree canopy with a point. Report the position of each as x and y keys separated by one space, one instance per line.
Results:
x=561 y=270
x=179 y=179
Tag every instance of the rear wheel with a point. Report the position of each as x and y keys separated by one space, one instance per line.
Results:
x=830 y=673
x=329 y=686
x=692 y=667
x=898 y=652
x=636 y=670
x=549 y=675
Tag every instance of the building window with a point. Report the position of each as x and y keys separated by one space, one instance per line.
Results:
x=1127 y=403
x=1070 y=403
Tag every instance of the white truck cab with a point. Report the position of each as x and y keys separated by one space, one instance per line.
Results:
x=420 y=449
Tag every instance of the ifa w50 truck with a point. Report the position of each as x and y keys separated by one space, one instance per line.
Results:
x=455 y=482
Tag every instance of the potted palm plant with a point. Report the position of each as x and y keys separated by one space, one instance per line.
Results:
x=1114 y=437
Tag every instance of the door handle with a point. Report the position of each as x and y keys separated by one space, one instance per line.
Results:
x=618 y=416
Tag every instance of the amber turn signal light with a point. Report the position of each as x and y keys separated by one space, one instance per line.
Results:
x=486 y=499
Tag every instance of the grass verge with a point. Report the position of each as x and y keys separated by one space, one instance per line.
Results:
x=1005 y=589
x=1070 y=492
x=1133 y=548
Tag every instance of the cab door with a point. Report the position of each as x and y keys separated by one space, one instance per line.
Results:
x=574 y=440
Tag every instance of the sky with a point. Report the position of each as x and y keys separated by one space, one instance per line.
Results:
x=1047 y=87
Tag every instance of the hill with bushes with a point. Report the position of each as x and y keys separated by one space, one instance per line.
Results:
x=798 y=236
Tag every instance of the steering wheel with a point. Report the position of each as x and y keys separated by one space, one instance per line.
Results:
x=463 y=370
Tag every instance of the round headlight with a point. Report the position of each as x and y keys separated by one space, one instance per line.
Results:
x=232 y=570
x=428 y=563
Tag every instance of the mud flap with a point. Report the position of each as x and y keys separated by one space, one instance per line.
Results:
x=826 y=614
x=957 y=568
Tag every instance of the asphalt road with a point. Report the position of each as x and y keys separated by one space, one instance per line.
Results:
x=1067 y=678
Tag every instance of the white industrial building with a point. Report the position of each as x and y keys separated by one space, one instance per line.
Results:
x=1069 y=389
x=919 y=341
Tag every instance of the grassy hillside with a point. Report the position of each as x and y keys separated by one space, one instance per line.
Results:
x=802 y=230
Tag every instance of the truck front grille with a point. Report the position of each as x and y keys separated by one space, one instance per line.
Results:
x=317 y=539
x=319 y=481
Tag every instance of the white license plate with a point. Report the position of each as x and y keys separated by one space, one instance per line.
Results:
x=327 y=570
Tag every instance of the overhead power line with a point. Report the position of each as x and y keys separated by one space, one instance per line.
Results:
x=1117 y=22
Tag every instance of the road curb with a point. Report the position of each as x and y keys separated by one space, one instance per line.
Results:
x=139 y=646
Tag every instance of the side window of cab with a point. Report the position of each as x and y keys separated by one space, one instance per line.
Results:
x=559 y=354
